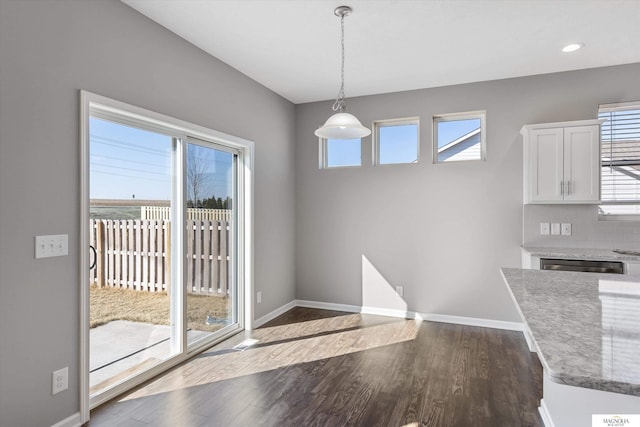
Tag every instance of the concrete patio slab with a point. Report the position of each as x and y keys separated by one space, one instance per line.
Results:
x=124 y=347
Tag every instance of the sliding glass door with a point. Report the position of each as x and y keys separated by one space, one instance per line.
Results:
x=131 y=175
x=165 y=209
x=211 y=239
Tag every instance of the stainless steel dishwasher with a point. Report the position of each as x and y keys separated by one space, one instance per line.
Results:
x=615 y=267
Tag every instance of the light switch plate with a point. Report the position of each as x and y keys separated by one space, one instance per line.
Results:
x=50 y=246
x=566 y=229
x=555 y=228
x=544 y=228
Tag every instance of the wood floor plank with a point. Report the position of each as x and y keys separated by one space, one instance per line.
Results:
x=326 y=368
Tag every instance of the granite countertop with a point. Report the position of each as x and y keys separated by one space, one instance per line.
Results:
x=586 y=326
x=579 y=253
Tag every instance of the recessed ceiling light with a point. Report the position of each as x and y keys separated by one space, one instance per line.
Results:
x=572 y=47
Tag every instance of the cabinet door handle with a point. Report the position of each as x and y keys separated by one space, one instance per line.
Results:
x=562 y=188
x=568 y=187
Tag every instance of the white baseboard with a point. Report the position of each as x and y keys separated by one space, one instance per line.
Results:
x=544 y=414
x=471 y=321
x=404 y=314
x=275 y=313
x=71 y=421
x=530 y=343
x=328 y=306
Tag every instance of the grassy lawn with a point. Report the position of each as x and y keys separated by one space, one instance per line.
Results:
x=108 y=304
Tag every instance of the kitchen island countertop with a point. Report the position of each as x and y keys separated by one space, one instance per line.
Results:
x=586 y=326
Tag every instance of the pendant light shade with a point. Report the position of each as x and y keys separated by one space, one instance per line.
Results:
x=342 y=125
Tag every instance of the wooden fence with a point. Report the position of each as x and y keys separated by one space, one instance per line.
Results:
x=136 y=254
x=163 y=212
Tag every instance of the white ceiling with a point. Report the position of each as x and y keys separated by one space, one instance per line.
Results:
x=293 y=46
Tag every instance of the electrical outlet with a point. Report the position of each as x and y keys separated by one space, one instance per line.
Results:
x=259 y=297
x=400 y=290
x=544 y=228
x=59 y=380
x=566 y=229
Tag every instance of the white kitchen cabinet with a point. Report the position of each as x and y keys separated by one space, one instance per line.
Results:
x=632 y=267
x=562 y=162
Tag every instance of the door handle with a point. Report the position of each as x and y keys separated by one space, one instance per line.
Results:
x=95 y=257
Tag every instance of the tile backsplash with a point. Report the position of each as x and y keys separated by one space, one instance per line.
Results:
x=587 y=231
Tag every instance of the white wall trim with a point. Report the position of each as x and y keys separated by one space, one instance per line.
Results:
x=405 y=314
x=471 y=321
x=328 y=306
x=544 y=414
x=84 y=350
x=71 y=421
x=387 y=312
x=275 y=313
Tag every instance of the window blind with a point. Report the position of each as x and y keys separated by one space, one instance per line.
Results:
x=620 y=158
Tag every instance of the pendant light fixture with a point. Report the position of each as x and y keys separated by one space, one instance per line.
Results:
x=342 y=125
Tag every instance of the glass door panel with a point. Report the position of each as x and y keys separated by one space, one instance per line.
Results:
x=130 y=300
x=210 y=234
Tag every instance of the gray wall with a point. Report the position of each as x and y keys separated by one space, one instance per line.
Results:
x=442 y=231
x=49 y=50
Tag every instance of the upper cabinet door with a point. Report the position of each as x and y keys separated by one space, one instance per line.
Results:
x=562 y=162
x=582 y=164
x=546 y=165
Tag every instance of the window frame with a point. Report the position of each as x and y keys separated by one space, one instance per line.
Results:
x=378 y=124
x=611 y=107
x=323 y=155
x=450 y=117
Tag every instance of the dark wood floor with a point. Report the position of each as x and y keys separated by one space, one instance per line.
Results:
x=326 y=368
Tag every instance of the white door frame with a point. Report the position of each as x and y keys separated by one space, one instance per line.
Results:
x=90 y=102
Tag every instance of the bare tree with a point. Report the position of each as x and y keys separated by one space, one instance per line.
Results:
x=197 y=176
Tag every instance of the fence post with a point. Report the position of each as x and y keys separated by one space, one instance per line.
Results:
x=224 y=264
x=100 y=253
x=167 y=256
x=189 y=252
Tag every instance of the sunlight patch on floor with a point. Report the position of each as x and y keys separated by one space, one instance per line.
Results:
x=221 y=366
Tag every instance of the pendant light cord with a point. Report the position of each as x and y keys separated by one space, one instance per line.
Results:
x=340 y=103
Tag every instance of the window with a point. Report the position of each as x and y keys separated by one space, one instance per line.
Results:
x=336 y=153
x=620 y=157
x=396 y=141
x=459 y=137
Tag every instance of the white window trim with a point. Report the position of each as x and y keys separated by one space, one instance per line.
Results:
x=96 y=105
x=617 y=217
x=323 y=156
x=448 y=117
x=389 y=123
